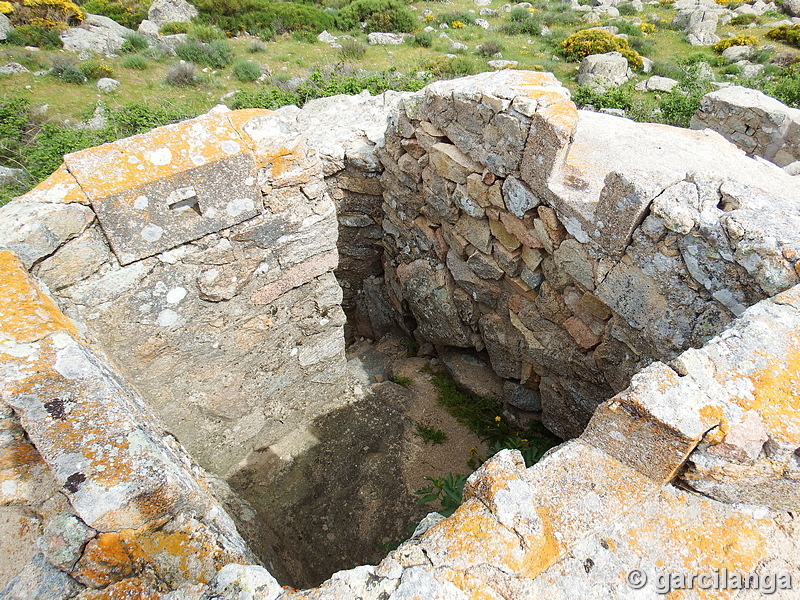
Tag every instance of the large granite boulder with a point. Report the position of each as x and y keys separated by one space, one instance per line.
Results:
x=603 y=71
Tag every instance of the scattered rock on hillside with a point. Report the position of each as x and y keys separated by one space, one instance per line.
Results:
x=5 y=27
x=326 y=37
x=656 y=83
x=147 y=27
x=171 y=11
x=378 y=38
x=735 y=53
x=758 y=124
x=499 y=65
x=792 y=7
x=482 y=23
x=97 y=34
x=106 y=85
x=601 y=71
x=699 y=21
x=12 y=68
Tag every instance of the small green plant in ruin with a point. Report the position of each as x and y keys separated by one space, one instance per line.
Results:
x=447 y=490
x=431 y=435
x=483 y=417
x=404 y=381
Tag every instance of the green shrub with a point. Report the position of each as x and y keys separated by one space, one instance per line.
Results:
x=423 y=39
x=13 y=118
x=94 y=70
x=447 y=490
x=199 y=32
x=33 y=35
x=739 y=40
x=786 y=33
x=458 y=16
x=667 y=68
x=74 y=75
x=379 y=15
x=785 y=86
x=135 y=42
x=620 y=97
x=678 y=107
x=740 y=20
x=627 y=9
x=182 y=75
x=217 y=54
x=519 y=14
x=489 y=48
x=293 y=16
x=135 y=61
x=246 y=70
x=598 y=41
x=52 y=142
x=527 y=24
x=449 y=66
x=319 y=85
x=352 y=49
x=173 y=28
x=129 y=15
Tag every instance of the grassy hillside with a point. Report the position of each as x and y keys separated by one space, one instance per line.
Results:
x=279 y=51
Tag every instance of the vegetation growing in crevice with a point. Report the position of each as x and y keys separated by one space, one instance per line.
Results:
x=484 y=417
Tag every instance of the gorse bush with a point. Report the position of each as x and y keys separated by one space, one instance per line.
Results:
x=94 y=69
x=449 y=66
x=217 y=54
x=379 y=15
x=246 y=70
x=743 y=20
x=786 y=33
x=598 y=41
x=125 y=13
x=47 y=14
x=739 y=40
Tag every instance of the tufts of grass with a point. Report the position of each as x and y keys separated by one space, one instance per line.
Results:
x=404 y=381
x=431 y=435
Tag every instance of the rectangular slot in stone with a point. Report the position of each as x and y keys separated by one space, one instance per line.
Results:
x=155 y=216
x=184 y=200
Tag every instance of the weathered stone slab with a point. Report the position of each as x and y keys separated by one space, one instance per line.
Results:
x=175 y=184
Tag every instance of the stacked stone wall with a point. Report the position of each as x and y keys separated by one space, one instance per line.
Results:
x=758 y=124
x=518 y=226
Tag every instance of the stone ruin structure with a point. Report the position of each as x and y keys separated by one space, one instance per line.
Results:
x=175 y=307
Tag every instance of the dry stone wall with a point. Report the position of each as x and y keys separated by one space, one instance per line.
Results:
x=758 y=124
x=207 y=273
x=572 y=255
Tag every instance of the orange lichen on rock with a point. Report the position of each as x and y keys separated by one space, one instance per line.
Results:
x=26 y=313
x=160 y=154
x=127 y=589
x=774 y=391
x=60 y=187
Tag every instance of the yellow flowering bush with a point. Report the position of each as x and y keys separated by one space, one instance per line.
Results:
x=6 y=8
x=739 y=40
x=647 y=28
x=48 y=14
x=599 y=41
x=457 y=25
